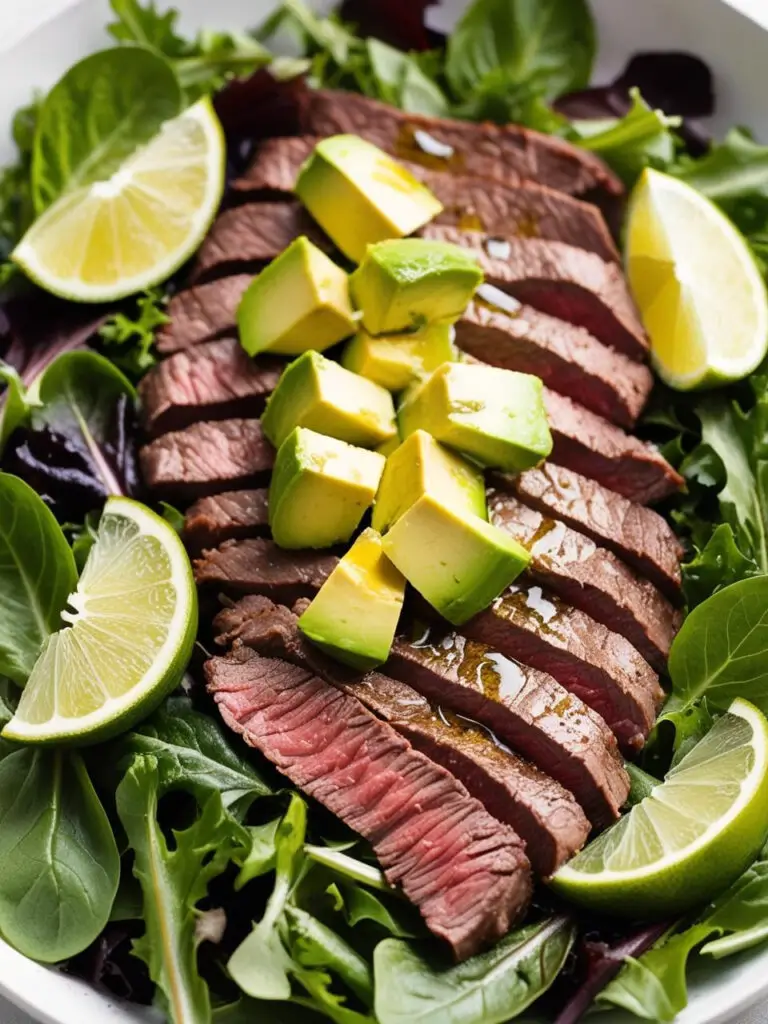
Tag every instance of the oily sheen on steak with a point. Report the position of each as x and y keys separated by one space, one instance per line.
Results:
x=466 y=872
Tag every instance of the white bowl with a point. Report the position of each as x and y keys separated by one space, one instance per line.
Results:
x=728 y=34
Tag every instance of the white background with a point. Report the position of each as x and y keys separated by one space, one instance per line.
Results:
x=18 y=17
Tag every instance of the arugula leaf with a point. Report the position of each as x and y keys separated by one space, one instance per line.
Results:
x=313 y=944
x=37 y=575
x=96 y=116
x=129 y=340
x=15 y=407
x=147 y=26
x=348 y=866
x=547 y=44
x=360 y=905
x=262 y=854
x=740 y=915
x=318 y=985
x=191 y=751
x=173 y=882
x=489 y=988
x=60 y=861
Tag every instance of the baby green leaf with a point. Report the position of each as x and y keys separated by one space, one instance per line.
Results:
x=348 y=866
x=313 y=944
x=14 y=403
x=358 y=905
x=37 y=575
x=740 y=915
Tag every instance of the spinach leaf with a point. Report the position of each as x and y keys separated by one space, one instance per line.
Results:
x=740 y=915
x=60 y=861
x=720 y=650
x=15 y=408
x=37 y=575
x=96 y=116
x=191 y=751
x=400 y=81
x=545 y=44
x=128 y=340
x=173 y=882
x=487 y=989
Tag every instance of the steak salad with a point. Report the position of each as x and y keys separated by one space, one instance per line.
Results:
x=382 y=638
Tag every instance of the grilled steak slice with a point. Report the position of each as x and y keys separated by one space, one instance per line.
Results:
x=600 y=667
x=523 y=707
x=509 y=154
x=246 y=236
x=636 y=534
x=202 y=313
x=558 y=279
x=232 y=515
x=540 y=810
x=206 y=458
x=259 y=566
x=467 y=873
x=567 y=358
x=592 y=446
x=590 y=578
x=216 y=380
x=527 y=209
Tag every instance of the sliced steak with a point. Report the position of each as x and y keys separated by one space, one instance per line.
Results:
x=528 y=209
x=206 y=458
x=592 y=446
x=507 y=153
x=245 y=237
x=600 y=667
x=638 y=535
x=259 y=566
x=589 y=577
x=525 y=708
x=232 y=515
x=540 y=810
x=467 y=873
x=558 y=279
x=567 y=358
x=212 y=381
x=202 y=313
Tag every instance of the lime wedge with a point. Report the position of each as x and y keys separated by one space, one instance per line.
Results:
x=130 y=633
x=700 y=293
x=694 y=834
x=113 y=238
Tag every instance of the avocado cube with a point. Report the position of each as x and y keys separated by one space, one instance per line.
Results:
x=360 y=195
x=355 y=613
x=421 y=466
x=458 y=562
x=320 y=489
x=495 y=416
x=316 y=392
x=405 y=284
x=300 y=301
x=396 y=361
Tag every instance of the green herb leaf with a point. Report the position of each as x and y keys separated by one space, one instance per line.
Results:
x=740 y=915
x=97 y=115
x=325 y=1001
x=15 y=408
x=129 y=340
x=37 y=575
x=351 y=867
x=718 y=564
x=360 y=905
x=60 y=861
x=173 y=882
x=487 y=989
x=263 y=852
x=400 y=80
x=313 y=944
x=191 y=751
x=548 y=45
x=146 y=26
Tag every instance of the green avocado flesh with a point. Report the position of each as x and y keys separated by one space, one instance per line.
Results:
x=354 y=615
x=419 y=467
x=316 y=392
x=458 y=562
x=320 y=490
x=396 y=361
x=300 y=301
x=405 y=284
x=495 y=416
x=360 y=195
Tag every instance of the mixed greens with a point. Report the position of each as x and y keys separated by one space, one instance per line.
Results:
x=169 y=841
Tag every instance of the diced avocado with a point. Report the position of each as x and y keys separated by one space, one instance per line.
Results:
x=360 y=195
x=354 y=615
x=496 y=416
x=389 y=446
x=320 y=489
x=300 y=301
x=405 y=284
x=422 y=466
x=396 y=361
x=459 y=563
x=316 y=392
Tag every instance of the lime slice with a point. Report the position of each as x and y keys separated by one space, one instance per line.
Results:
x=132 y=625
x=699 y=290
x=113 y=238
x=695 y=833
